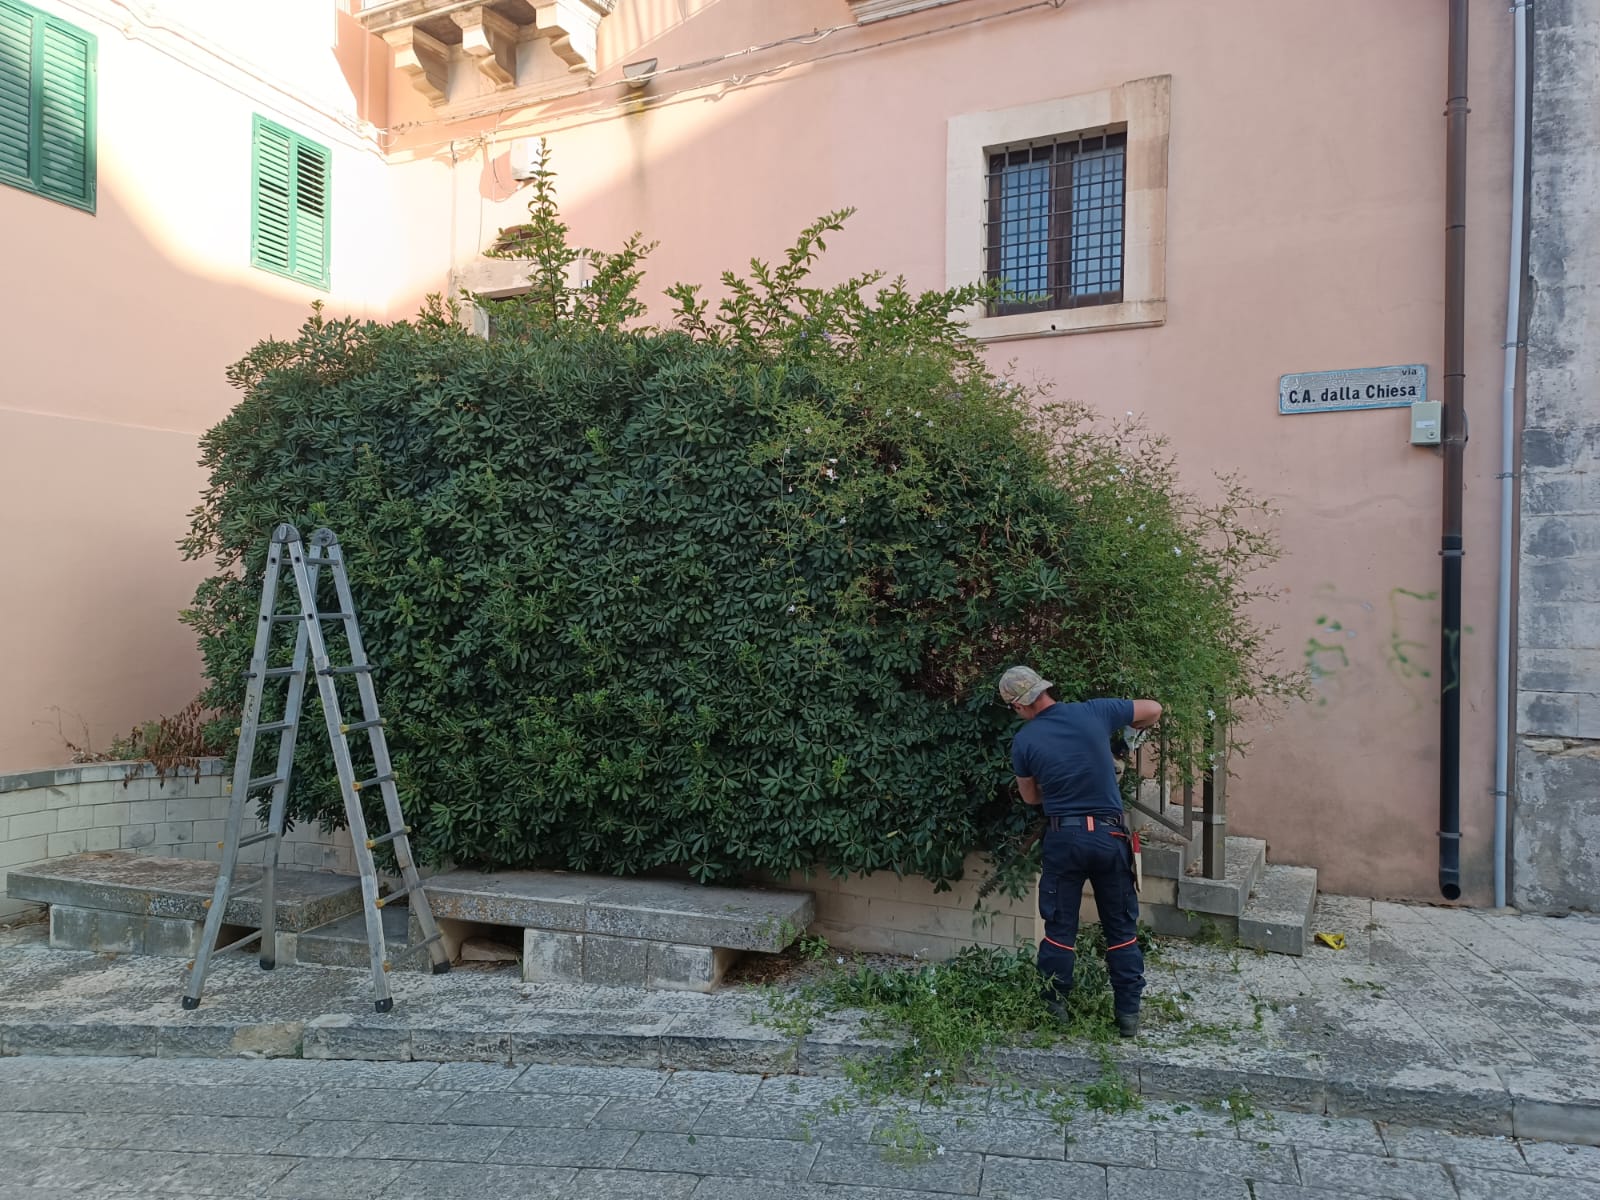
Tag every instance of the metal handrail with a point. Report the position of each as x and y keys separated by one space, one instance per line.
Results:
x=1212 y=813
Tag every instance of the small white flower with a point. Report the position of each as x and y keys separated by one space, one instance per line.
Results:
x=918 y=413
x=888 y=412
x=1177 y=553
x=1227 y=1104
x=930 y=424
x=1141 y=528
x=791 y=609
x=1211 y=714
x=833 y=460
x=1291 y=1010
x=1130 y=520
x=808 y=429
x=1130 y=412
x=840 y=960
x=938 y=1149
x=927 y=1074
x=831 y=473
x=1122 y=470
x=937 y=1071
x=841 y=520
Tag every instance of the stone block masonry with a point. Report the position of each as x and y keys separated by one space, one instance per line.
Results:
x=1555 y=816
x=884 y=913
x=123 y=806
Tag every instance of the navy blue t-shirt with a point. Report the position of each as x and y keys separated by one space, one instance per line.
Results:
x=1066 y=750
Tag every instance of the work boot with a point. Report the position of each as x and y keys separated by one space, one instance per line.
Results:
x=1057 y=1004
x=1128 y=1024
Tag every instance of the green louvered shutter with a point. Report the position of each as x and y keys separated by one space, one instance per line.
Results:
x=47 y=105
x=66 y=123
x=16 y=94
x=290 y=200
x=310 y=213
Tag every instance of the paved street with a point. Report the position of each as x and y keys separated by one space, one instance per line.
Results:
x=109 y=1127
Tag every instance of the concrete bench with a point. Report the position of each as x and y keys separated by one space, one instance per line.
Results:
x=623 y=932
x=123 y=902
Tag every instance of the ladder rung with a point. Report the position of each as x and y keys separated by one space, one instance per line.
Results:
x=286 y=616
x=335 y=616
x=430 y=939
x=393 y=896
x=358 y=726
x=358 y=669
x=274 y=726
x=244 y=941
x=252 y=839
x=374 y=843
x=262 y=781
x=272 y=673
x=366 y=783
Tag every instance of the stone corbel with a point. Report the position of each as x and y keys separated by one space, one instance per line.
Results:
x=491 y=41
x=425 y=59
x=571 y=27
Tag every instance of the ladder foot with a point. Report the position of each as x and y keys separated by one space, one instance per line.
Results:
x=441 y=968
x=191 y=1002
x=384 y=1005
x=268 y=963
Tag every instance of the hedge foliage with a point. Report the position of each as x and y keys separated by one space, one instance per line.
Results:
x=725 y=597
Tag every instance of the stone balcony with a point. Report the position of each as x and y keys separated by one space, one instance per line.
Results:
x=505 y=39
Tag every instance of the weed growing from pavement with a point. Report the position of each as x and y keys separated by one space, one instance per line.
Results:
x=946 y=1021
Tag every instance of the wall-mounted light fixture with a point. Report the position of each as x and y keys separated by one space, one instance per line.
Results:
x=639 y=74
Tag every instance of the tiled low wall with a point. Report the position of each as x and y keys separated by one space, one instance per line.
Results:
x=883 y=913
x=123 y=806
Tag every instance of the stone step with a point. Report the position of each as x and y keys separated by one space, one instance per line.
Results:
x=1165 y=854
x=178 y=889
x=1226 y=897
x=1277 y=916
x=652 y=910
x=343 y=943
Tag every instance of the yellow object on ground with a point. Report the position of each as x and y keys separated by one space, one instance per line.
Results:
x=1334 y=941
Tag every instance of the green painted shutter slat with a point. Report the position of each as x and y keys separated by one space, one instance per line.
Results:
x=16 y=92
x=47 y=105
x=289 y=208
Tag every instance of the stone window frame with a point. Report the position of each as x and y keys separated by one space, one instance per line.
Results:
x=1143 y=109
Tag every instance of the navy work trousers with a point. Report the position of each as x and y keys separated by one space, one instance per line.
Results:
x=1104 y=857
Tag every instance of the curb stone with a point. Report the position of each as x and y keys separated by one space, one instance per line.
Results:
x=1524 y=1103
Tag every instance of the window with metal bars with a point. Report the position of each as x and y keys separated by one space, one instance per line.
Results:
x=47 y=105
x=289 y=203
x=1053 y=224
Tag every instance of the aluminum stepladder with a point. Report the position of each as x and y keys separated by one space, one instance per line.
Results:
x=305 y=563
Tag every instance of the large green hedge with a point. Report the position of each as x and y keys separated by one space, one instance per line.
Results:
x=725 y=598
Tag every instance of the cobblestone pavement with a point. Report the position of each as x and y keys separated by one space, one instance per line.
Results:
x=110 y=1127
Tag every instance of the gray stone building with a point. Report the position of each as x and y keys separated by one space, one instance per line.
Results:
x=1555 y=827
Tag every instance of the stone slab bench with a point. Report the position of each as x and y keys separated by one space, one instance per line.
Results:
x=650 y=933
x=124 y=902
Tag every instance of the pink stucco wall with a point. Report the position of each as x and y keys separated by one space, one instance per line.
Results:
x=116 y=328
x=1305 y=232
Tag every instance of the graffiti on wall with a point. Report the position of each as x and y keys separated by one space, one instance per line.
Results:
x=1358 y=646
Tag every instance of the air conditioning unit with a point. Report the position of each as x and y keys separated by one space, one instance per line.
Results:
x=526 y=158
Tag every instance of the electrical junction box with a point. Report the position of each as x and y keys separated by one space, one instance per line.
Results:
x=1427 y=423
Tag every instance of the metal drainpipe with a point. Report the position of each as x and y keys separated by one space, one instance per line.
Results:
x=1455 y=440
x=1508 y=445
